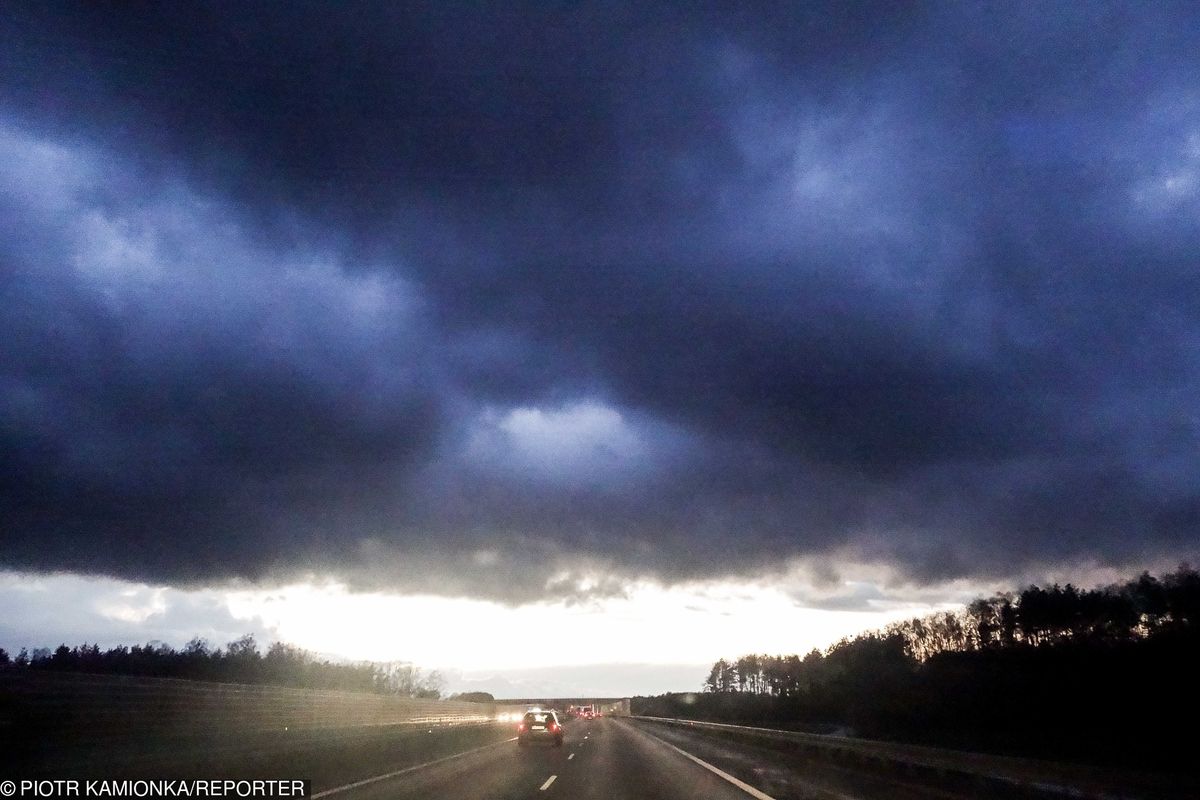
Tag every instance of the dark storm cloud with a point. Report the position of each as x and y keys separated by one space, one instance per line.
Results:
x=422 y=298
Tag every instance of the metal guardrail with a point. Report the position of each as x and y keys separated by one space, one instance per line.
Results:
x=1048 y=777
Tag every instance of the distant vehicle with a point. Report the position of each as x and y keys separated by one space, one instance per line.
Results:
x=540 y=726
x=587 y=712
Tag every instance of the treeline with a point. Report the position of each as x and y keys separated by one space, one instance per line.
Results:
x=1104 y=675
x=241 y=661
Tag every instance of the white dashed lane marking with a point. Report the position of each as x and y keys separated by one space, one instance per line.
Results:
x=549 y=781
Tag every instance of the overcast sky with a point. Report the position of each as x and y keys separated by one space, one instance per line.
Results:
x=865 y=304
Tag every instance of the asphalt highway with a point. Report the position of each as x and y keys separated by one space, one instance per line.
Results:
x=622 y=759
x=605 y=759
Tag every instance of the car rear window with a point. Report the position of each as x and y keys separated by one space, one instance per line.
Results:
x=539 y=719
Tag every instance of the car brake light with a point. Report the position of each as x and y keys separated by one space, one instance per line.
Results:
x=521 y=727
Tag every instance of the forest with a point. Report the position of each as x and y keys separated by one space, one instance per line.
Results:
x=1105 y=675
x=241 y=661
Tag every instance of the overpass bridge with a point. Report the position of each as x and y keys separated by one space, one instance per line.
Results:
x=612 y=706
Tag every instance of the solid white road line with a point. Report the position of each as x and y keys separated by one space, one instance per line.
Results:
x=414 y=768
x=570 y=756
x=745 y=787
x=546 y=785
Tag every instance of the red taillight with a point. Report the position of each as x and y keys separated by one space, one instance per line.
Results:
x=554 y=727
x=521 y=727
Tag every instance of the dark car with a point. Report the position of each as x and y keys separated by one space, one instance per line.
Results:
x=540 y=726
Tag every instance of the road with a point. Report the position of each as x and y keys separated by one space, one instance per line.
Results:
x=604 y=759
x=619 y=759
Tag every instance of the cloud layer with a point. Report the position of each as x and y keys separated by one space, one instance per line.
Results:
x=434 y=301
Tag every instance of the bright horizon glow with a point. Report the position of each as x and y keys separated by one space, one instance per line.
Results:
x=650 y=625
x=649 y=639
